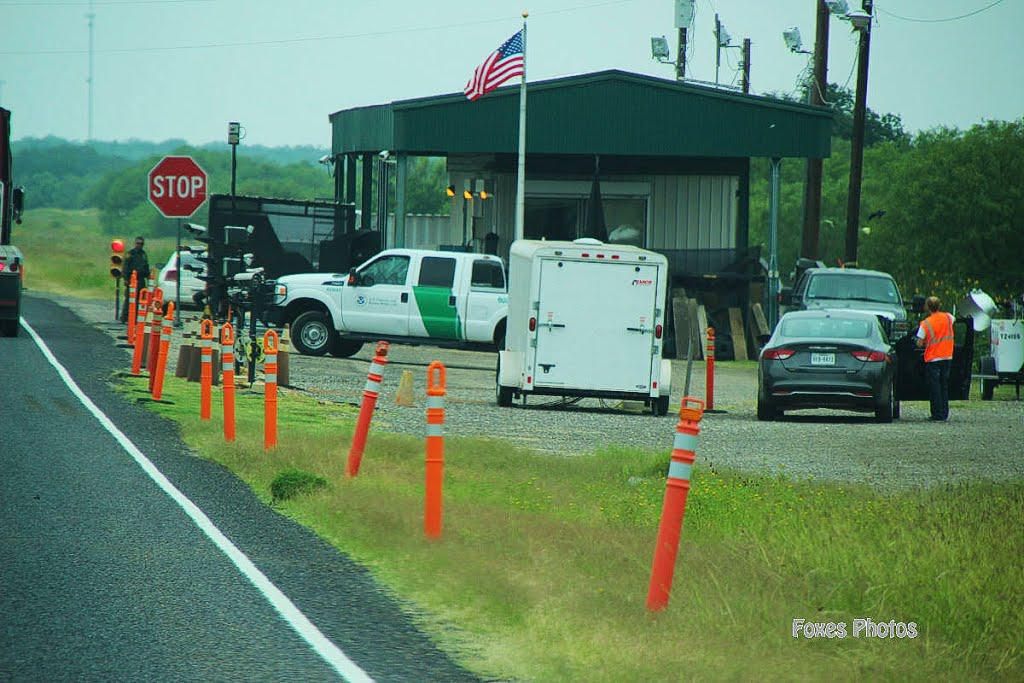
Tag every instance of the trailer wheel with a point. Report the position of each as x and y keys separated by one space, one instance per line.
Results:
x=659 y=406
x=502 y=395
x=312 y=333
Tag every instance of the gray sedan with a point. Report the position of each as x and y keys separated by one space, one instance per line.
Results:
x=827 y=359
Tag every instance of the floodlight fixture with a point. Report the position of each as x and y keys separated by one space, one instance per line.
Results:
x=483 y=194
x=860 y=20
x=793 y=40
x=450 y=190
x=723 y=36
x=659 y=48
x=838 y=7
x=684 y=13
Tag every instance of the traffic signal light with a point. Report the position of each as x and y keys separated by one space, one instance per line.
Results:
x=116 y=258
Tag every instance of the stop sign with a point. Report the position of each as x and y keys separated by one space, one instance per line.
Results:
x=177 y=186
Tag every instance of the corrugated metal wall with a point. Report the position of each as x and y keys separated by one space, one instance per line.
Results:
x=683 y=212
x=693 y=212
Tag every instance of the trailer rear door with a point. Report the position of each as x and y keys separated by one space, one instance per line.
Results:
x=595 y=325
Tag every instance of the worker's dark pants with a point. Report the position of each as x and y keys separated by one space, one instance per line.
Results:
x=938 y=388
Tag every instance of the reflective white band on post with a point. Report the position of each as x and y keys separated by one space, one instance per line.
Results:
x=228 y=365
x=376 y=369
x=372 y=387
x=435 y=430
x=270 y=358
x=679 y=470
x=435 y=402
x=685 y=442
x=270 y=378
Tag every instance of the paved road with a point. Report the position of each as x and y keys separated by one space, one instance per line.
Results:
x=104 y=576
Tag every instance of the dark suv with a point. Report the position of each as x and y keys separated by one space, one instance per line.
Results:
x=869 y=291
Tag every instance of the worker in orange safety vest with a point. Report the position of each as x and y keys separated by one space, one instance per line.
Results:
x=935 y=336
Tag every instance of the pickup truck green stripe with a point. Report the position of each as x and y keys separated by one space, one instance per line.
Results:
x=439 y=319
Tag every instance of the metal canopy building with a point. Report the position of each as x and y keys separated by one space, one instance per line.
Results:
x=681 y=150
x=672 y=161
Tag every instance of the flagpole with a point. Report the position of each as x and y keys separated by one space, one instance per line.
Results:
x=521 y=171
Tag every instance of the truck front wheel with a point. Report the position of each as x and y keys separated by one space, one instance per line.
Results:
x=312 y=333
x=344 y=348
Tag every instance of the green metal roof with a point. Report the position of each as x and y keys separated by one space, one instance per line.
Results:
x=608 y=112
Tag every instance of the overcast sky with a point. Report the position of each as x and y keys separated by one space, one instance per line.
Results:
x=185 y=68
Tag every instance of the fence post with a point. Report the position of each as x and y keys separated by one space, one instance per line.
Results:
x=155 y=330
x=140 y=331
x=270 y=349
x=133 y=284
x=677 y=486
x=435 y=449
x=227 y=357
x=370 y=394
x=709 y=383
x=157 y=375
x=206 y=371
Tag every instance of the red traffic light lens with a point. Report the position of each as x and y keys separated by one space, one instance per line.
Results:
x=117 y=245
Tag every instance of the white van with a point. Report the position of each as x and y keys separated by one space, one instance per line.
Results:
x=585 y=319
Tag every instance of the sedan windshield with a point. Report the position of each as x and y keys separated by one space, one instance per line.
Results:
x=830 y=328
x=847 y=288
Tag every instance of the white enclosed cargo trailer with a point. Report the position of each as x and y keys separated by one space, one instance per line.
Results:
x=585 y=319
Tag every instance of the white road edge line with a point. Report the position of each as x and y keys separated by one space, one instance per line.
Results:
x=301 y=624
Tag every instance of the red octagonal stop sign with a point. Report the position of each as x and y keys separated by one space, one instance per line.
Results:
x=177 y=186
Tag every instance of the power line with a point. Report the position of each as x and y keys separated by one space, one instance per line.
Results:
x=99 y=2
x=291 y=41
x=936 y=21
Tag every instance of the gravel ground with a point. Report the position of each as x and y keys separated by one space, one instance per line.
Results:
x=980 y=440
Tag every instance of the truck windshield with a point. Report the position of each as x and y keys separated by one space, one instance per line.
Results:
x=852 y=288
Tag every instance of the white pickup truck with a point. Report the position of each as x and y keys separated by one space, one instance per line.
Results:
x=410 y=296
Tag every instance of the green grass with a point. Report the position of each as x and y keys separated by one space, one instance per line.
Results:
x=68 y=252
x=543 y=566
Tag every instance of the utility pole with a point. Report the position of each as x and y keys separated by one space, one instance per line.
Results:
x=746 y=66
x=681 y=56
x=90 y=16
x=857 y=143
x=718 y=47
x=812 y=186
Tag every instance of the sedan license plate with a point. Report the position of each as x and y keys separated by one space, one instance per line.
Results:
x=823 y=359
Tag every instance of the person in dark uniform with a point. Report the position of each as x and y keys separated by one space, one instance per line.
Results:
x=136 y=262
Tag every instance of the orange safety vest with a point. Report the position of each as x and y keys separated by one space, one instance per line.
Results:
x=938 y=336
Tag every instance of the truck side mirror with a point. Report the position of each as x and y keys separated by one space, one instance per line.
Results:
x=918 y=304
x=18 y=203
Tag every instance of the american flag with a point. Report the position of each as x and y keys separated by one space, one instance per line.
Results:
x=504 y=63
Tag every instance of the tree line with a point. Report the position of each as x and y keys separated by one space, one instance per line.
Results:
x=940 y=210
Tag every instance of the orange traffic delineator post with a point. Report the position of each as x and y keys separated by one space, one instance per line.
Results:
x=140 y=330
x=270 y=349
x=709 y=383
x=227 y=354
x=133 y=284
x=435 y=449
x=206 y=373
x=156 y=305
x=677 y=486
x=156 y=377
x=370 y=394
